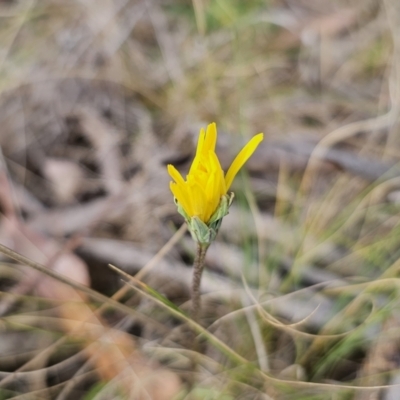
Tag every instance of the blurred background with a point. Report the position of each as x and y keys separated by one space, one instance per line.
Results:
x=300 y=294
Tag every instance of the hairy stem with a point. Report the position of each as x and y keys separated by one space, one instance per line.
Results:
x=198 y=267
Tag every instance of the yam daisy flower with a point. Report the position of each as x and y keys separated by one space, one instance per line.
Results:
x=203 y=199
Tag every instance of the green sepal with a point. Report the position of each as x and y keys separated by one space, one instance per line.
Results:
x=182 y=211
x=204 y=233
x=201 y=232
x=223 y=208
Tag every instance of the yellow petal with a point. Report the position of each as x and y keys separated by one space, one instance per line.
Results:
x=215 y=186
x=210 y=194
x=195 y=165
x=216 y=166
x=199 y=201
x=175 y=175
x=207 y=141
x=182 y=196
x=200 y=142
x=199 y=150
x=216 y=197
x=241 y=158
x=210 y=139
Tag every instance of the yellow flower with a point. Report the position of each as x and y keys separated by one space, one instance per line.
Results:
x=206 y=184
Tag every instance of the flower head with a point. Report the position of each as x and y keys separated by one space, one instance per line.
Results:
x=203 y=198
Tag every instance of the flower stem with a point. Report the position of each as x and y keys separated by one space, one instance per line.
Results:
x=198 y=267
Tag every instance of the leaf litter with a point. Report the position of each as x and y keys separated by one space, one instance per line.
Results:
x=95 y=101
